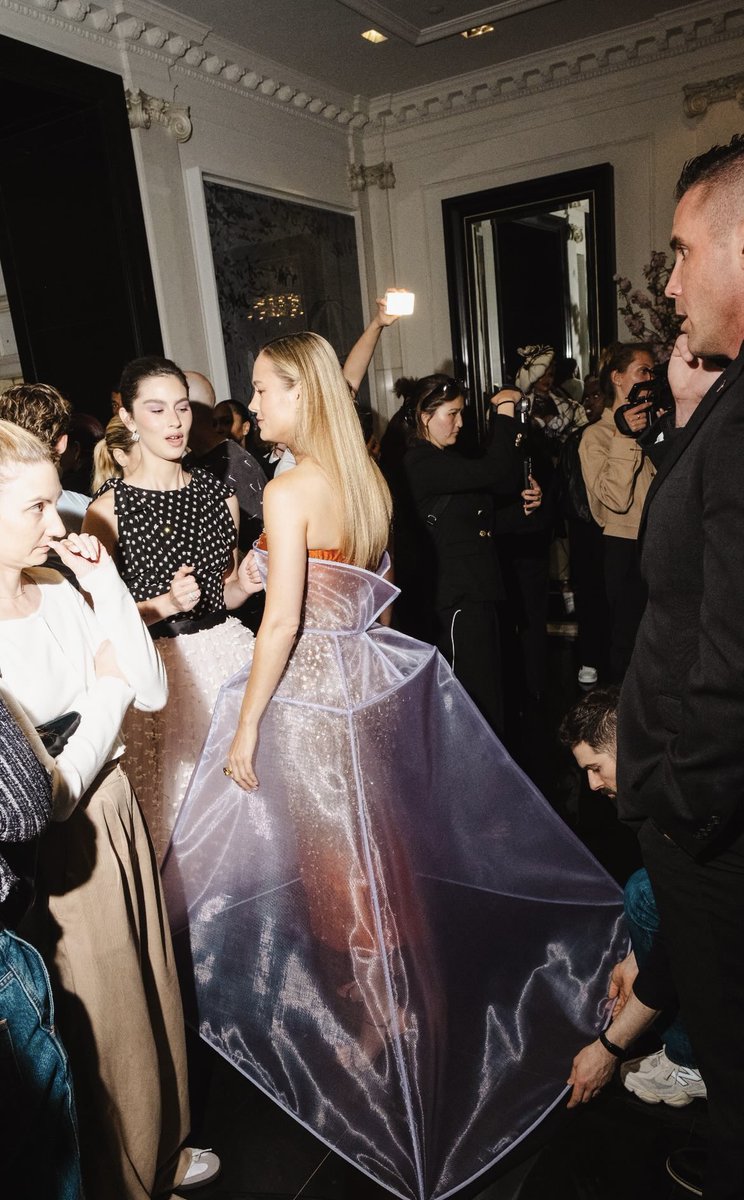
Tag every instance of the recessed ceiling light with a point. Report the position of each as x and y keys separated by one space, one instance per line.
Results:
x=477 y=31
x=373 y=35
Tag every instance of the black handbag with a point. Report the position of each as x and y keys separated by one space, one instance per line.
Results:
x=56 y=734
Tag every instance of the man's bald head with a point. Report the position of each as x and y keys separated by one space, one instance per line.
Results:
x=200 y=389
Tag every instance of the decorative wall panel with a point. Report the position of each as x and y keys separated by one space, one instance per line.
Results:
x=281 y=267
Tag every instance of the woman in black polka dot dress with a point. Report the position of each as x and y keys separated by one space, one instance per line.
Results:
x=174 y=535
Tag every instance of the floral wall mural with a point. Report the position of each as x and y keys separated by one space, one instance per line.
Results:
x=281 y=267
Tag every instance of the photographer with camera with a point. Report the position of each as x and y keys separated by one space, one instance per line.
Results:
x=618 y=474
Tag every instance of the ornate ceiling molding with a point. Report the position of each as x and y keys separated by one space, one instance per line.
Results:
x=188 y=47
x=384 y=16
x=679 y=32
x=151 y=29
x=142 y=110
x=699 y=96
x=361 y=177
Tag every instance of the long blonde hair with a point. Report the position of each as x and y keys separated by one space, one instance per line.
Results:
x=329 y=432
x=105 y=466
x=18 y=447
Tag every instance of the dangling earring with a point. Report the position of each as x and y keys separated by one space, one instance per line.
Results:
x=135 y=435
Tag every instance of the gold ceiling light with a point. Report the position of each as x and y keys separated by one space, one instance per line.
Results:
x=477 y=31
x=374 y=35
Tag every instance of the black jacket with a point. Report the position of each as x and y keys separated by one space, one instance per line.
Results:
x=449 y=559
x=681 y=717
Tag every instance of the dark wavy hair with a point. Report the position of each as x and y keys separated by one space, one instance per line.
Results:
x=593 y=720
x=423 y=396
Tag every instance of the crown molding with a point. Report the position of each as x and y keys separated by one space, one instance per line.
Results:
x=674 y=33
x=700 y=96
x=383 y=16
x=158 y=32
x=187 y=47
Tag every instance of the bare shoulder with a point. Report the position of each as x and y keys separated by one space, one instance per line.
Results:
x=100 y=520
x=305 y=480
x=105 y=503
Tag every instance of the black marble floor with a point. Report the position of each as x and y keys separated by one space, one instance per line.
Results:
x=615 y=1147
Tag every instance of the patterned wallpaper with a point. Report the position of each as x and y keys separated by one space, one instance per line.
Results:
x=281 y=267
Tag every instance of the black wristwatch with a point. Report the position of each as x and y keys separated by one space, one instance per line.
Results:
x=616 y=1051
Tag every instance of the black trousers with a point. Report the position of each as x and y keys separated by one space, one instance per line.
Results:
x=469 y=637
x=626 y=598
x=701 y=905
x=524 y=560
x=586 y=548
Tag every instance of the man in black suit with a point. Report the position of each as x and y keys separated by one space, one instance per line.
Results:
x=681 y=717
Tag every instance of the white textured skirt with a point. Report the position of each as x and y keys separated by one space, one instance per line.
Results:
x=162 y=748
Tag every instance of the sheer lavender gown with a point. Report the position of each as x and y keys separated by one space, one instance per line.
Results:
x=394 y=937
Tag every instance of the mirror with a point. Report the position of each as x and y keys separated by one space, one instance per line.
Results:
x=530 y=263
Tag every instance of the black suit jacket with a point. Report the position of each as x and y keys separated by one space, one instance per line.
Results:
x=681 y=716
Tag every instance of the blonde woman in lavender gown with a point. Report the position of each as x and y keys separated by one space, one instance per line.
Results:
x=378 y=918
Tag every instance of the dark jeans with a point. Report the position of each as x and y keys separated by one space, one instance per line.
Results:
x=38 y=1135
x=701 y=905
x=626 y=598
x=642 y=915
x=468 y=636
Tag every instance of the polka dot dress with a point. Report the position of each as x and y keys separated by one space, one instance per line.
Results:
x=162 y=531
x=158 y=533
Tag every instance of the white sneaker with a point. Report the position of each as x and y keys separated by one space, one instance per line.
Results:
x=657 y=1080
x=588 y=675
x=203 y=1169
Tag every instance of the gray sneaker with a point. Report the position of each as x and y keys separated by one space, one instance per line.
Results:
x=657 y=1080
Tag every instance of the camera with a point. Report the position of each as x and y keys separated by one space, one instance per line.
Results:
x=658 y=394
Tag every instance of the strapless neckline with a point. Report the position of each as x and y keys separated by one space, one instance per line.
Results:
x=323 y=555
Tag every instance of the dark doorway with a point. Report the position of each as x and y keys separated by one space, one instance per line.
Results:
x=531 y=253
x=528 y=263
x=72 y=238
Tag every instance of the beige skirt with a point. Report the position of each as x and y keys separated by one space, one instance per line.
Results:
x=101 y=925
x=162 y=748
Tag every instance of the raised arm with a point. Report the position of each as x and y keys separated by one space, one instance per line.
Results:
x=285 y=522
x=360 y=355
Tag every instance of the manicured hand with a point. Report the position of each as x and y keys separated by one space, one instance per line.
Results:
x=532 y=497
x=80 y=552
x=383 y=317
x=184 y=592
x=637 y=417
x=249 y=576
x=240 y=757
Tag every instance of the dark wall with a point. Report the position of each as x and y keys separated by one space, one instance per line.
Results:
x=72 y=237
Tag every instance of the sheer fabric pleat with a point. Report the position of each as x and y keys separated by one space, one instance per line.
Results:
x=395 y=936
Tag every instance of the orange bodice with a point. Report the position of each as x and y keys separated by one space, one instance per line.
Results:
x=325 y=555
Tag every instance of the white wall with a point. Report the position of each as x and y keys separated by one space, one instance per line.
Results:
x=619 y=101
x=632 y=118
